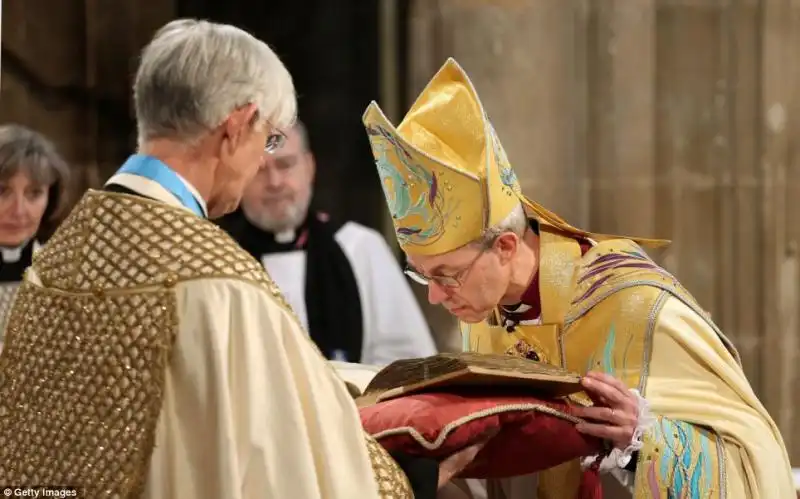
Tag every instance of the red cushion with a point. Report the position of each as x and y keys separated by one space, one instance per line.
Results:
x=534 y=434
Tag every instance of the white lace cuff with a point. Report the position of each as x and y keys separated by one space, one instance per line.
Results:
x=620 y=458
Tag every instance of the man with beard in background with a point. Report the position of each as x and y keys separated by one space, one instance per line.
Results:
x=341 y=279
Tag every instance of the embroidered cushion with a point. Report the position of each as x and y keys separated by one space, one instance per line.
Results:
x=534 y=433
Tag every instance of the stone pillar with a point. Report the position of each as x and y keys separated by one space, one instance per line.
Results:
x=521 y=56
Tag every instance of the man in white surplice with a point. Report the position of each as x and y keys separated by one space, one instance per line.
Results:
x=147 y=354
x=341 y=278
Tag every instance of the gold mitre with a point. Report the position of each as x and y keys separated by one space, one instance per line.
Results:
x=445 y=175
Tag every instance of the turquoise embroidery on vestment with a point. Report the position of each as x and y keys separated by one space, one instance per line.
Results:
x=686 y=461
x=606 y=362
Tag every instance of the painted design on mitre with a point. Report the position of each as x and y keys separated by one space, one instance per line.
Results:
x=507 y=175
x=419 y=214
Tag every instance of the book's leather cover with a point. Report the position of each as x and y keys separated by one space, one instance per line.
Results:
x=467 y=369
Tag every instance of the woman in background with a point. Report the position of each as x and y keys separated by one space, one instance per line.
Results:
x=33 y=183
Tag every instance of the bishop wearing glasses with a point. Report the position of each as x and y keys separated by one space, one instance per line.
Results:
x=672 y=400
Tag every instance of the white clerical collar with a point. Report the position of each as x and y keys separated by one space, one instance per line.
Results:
x=153 y=189
x=285 y=236
x=13 y=255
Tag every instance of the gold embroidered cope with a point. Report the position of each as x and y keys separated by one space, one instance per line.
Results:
x=82 y=372
x=599 y=312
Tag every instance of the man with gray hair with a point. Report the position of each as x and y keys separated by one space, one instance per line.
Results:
x=147 y=354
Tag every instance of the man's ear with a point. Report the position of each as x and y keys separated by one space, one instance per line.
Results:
x=506 y=246
x=240 y=121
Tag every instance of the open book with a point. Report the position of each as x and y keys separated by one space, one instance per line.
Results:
x=467 y=369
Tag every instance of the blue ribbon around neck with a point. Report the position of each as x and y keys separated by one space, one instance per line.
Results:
x=157 y=171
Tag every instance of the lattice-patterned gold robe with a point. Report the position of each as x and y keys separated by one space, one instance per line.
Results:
x=614 y=310
x=149 y=356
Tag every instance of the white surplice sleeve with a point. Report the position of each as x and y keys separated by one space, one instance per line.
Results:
x=251 y=409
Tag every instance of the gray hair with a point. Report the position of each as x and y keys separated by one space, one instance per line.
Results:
x=193 y=74
x=516 y=222
x=23 y=149
x=29 y=152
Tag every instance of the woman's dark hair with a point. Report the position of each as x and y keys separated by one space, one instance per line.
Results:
x=27 y=151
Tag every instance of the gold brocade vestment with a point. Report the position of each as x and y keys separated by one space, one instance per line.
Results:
x=447 y=180
x=614 y=310
x=90 y=338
